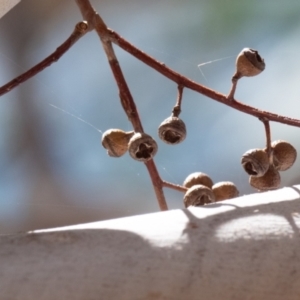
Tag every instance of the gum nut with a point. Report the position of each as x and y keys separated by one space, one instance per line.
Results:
x=225 y=190
x=249 y=63
x=270 y=181
x=115 y=141
x=172 y=130
x=198 y=178
x=142 y=147
x=198 y=195
x=284 y=155
x=255 y=162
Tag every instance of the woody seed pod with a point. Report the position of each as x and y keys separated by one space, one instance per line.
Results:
x=225 y=190
x=142 y=147
x=249 y=63
x=255 y=162
x=198 y=195
x=269 y=181
x=198 y=178
x=284 y=155
x=115 y=141
x=172 y=130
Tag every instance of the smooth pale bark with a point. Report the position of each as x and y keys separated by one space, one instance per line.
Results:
x=244 y=248
x=6 y=5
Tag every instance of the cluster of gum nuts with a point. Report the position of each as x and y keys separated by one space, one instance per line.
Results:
x=201 y=190
x=263 y=166
x=142 y=147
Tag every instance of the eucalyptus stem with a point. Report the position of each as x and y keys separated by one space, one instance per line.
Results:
x=80 y=30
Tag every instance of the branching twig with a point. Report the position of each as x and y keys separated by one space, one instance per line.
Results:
x=125 y=96
x=188 y=83
x=80 y=29
x=108 y=36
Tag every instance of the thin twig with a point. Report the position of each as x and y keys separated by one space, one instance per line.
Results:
x=268 y=136
x=80 y=29
x=126 y=98
x=188 y=83
x=234 y=81
x=108 y=34
x=173 y=186
x=157 y=184
x=177 y=108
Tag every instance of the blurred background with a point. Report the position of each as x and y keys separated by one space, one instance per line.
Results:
x=54 y=170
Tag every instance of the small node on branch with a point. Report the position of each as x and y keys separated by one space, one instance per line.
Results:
x=82 y=26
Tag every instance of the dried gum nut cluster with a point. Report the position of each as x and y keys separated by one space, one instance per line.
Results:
x=201 y=190
x=141 y=146
x=264 y=169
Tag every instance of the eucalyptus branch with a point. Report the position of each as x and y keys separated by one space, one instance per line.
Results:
x=107 y=36
x=193 y=196
x=124 y=92
x=157 y=184
x=80 y=29
x=126 y=98
x=188 y=83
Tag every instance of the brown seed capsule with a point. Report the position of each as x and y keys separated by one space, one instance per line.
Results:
x=116 y=141
x=142 y=147
x=249 y=63
x=255 y=162
x=172 y=130
x=225 y=190
x=284 y=155
x=198 y=178
x=269 y=181
x=198 y=195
